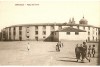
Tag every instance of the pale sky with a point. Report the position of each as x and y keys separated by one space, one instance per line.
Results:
x=48 y=12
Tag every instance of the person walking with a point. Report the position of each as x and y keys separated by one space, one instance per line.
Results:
x=93 y=50
x=59 y=43
x=89 y=51
x=77 y=52
x=81 y=50
x=84 y=52
x=57 y=48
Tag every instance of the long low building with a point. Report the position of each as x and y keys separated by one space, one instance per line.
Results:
x=47 y=31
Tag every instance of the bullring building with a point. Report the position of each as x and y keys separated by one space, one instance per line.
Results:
x=51 y=32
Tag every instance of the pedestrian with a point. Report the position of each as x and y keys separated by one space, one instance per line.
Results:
x=89 y=51
x=59 y=43
x=84 y=52
x=57 y=48
x=28 y=47
x=77 y=52
x=62 y=44
x=81 y=50
x=93 y=50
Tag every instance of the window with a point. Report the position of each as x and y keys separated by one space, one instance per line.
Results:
x=4 y=33
x=43 y=36
x=9 y=37
x=71 y=26
x=89 y=28
x=36 y=38
x=44 y=27
x=76 y=33
x=96 y=33
x=36 y=32
x=93 y=31
x=20 y=28
x=14 y=31
x=27 y=36
x=9 y=31
x=77 y=27
x=27 y=29
x=88 y=33
x=93 y=37
x=36 y=27
x=14 y=28
x=20 y=38
x=99 y=32
x=44 y=32
x=52 y=27
x=93 y=28
x=60 y=27
x=88 y=38
x=84 y=28
x=20 y=32
x=52 y=33
x=96 y=29
x=68 y=33
x=96 y=39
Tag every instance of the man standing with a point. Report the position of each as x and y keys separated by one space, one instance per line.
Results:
x=77 y=52
x=84 y=54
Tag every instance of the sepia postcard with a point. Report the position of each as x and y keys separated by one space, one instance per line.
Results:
x=49 y=33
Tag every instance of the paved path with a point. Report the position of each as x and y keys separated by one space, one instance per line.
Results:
x=40 y=53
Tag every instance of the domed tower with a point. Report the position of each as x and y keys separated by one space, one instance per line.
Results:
x=83 y=21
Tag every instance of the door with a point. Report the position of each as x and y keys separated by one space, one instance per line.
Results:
x=36 y=38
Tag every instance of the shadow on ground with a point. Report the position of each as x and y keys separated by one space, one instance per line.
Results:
x=52 y=51
x=67 y=60
x=68 y=57
x=71 y=61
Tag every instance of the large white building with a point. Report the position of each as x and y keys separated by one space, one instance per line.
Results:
x=51 y=32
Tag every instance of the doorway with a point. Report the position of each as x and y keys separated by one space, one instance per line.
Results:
x=20 y=38
x=36 y=38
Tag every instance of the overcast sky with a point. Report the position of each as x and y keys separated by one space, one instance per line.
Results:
x=48 y=12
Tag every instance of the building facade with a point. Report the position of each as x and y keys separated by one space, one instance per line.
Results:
x=69 y=34
x=46 y=31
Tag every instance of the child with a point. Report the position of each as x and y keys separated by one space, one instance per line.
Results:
x=28 y=47
x=57 y=48
x=89 y=51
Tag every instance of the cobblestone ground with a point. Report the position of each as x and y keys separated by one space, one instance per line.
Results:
x=41 y=54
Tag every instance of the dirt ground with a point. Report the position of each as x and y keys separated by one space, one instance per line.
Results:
x=41 y=54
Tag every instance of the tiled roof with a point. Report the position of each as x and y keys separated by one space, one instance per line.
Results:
x=70 y=29
x=52 y=24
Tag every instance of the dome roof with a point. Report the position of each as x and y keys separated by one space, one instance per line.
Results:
x=83 y=21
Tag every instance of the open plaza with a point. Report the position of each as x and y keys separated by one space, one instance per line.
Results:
x=42 y=54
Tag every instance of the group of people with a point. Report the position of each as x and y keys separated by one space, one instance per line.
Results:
x=58 y=46
x=91 y=51
x=82 y=52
